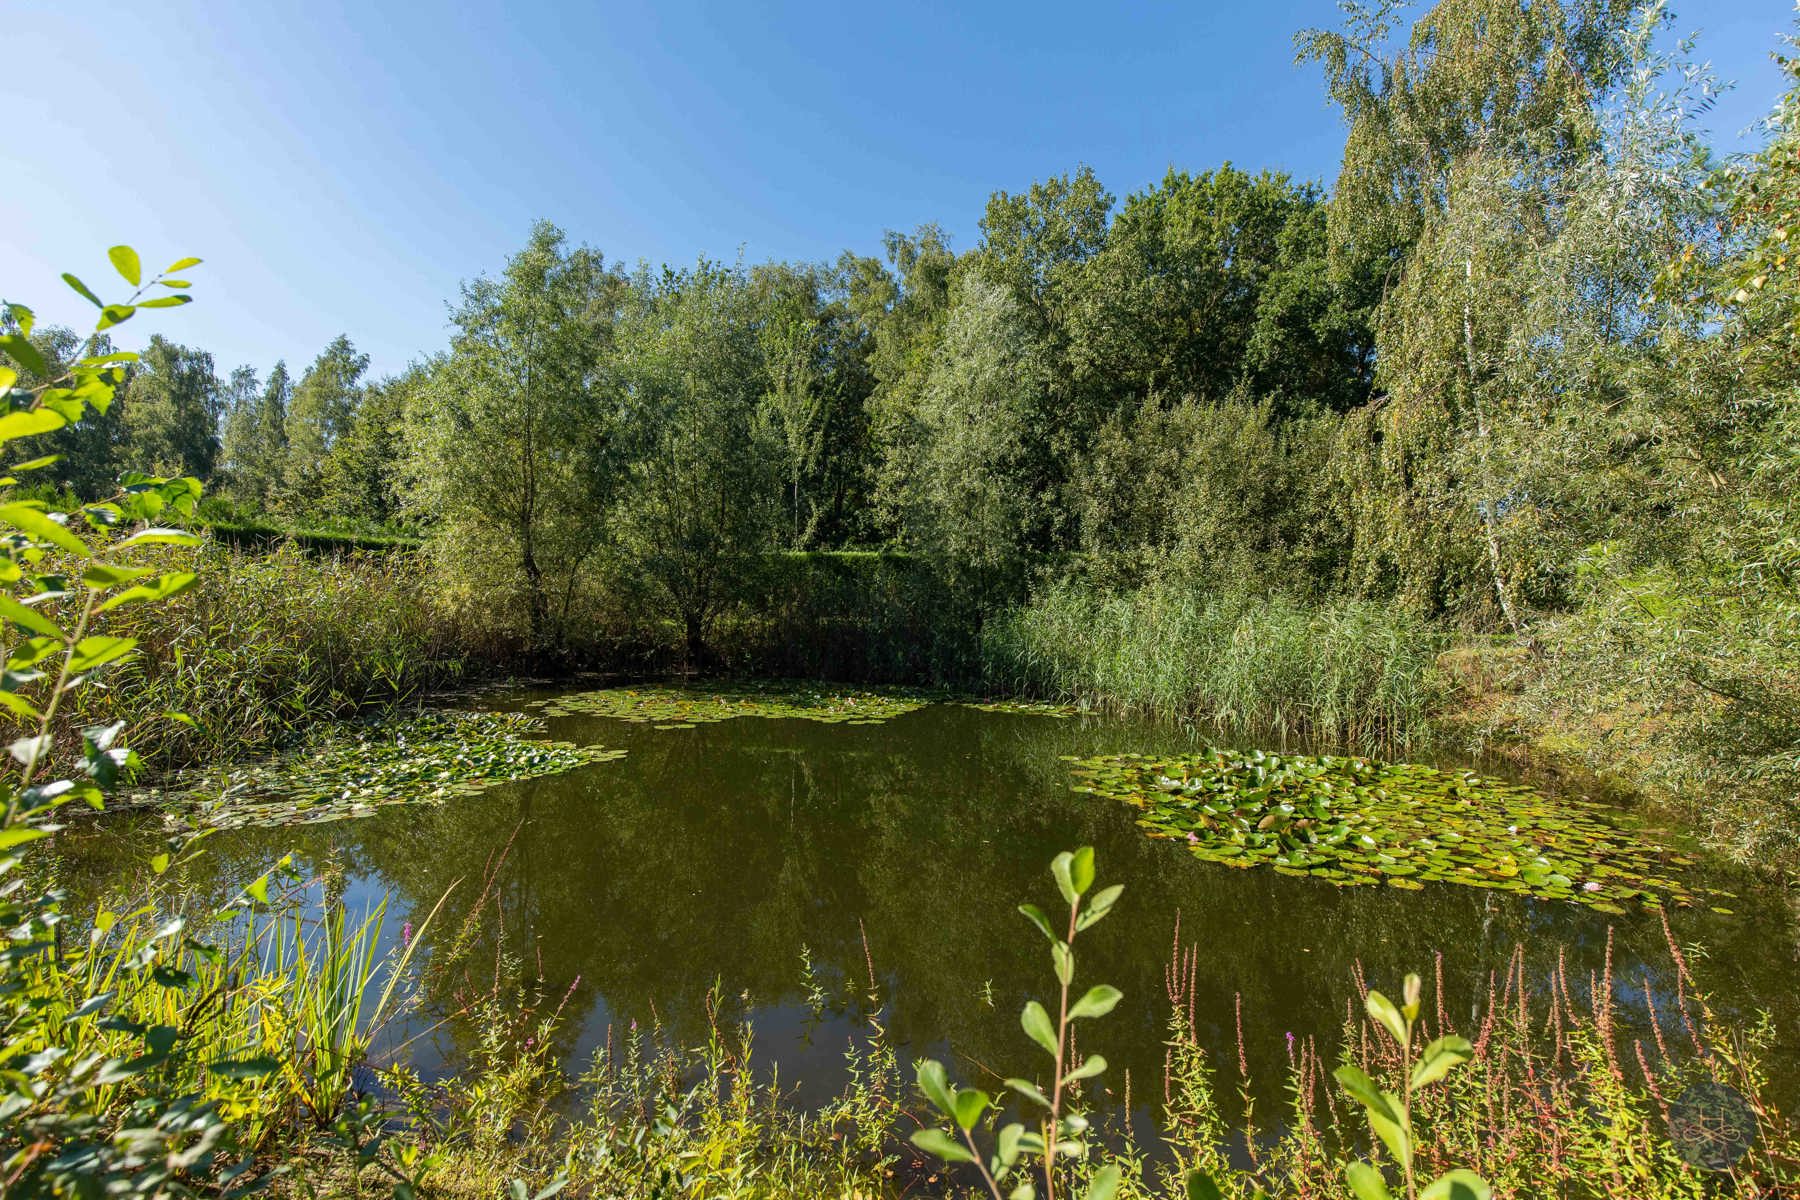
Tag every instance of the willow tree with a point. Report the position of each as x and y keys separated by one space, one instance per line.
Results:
x=969 y=479
x=513 y=452
x=700 y=510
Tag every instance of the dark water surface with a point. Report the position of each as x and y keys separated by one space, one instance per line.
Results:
x=716 y=854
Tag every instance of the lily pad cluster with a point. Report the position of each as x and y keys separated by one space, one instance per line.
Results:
x=1353 y=821
x=673 y=707
x=352 y=769
x=1036 y=708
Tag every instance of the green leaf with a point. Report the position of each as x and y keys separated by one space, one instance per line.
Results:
x=1106 y=1182
x=116 y=314
x=1363 y=1090
x=1036 y=1023
x=1383 y=1010
x=1007 y=1145
x=1100 y=905
x=175 y=301
x=1100 y=1000
x=1457 y=1185
x=160 y=537
x=1366 y=1182
x=936 y=1085
x=1087 y=1070
x=91 y=652
x=1200 y=1186
x=1036 y=916
x=102 y=575
x=83 y=290
x=1063 y=959
x=29 y=421
x=1439 y=1058
x=125 y=261
x=19 y=706
x=180 y=264
x=20 y=349
x=970 y=1104
x=29 y=618
x=1081 y=870
x=18 y=835
x=32 y=521
x=28 y=750
x=174 y=583
x=159 y=864
x=1029 y=1090
x=1061 y=869
x=936 y=1141
x=48 y=460
x=8 y=377
x=1393 y=1133
x=175 y=283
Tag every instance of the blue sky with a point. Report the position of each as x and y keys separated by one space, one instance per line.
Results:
x=341 y=167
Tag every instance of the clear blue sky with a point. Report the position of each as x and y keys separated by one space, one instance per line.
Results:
x=341 y=167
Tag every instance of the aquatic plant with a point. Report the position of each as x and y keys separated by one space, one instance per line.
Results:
x=1035 y=708
x=1357 y=821
x=675 y=707
x=350 y=769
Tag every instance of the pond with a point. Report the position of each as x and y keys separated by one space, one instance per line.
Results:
x=781 y=861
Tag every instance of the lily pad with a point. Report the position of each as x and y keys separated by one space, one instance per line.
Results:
x=678 y=707
x=1355 y=820
x=352 y=768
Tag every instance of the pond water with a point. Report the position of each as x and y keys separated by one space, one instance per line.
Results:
x=720 y=854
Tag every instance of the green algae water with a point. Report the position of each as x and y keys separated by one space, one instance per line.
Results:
x=822 y=865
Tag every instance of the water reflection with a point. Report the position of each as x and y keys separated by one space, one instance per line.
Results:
x=714 y=855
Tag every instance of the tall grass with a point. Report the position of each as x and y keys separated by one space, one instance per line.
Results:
x=267 y=1024
x=266 y=642
x=1347 y=672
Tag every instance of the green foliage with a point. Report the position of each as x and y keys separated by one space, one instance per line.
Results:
x=1390 y=1113
x=1061 y=1129
x=511 y=453
x=701 y=508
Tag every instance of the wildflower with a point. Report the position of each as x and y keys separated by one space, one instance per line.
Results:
x=1590 y=886
x=1193 y=838
x=406 y=934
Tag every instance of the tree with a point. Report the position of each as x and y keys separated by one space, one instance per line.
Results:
x=515 y=448
x=320 y=411
x=255 y=442
x=971 y=486
x=171 y=405
x=699 y=514
x=794 y=406
x=1463 y=146
x=1214 y=283
x=359 y=476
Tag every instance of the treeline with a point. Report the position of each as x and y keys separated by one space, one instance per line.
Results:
x=1528 y=369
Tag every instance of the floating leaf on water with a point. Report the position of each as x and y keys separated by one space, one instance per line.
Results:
x=1353 y=821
